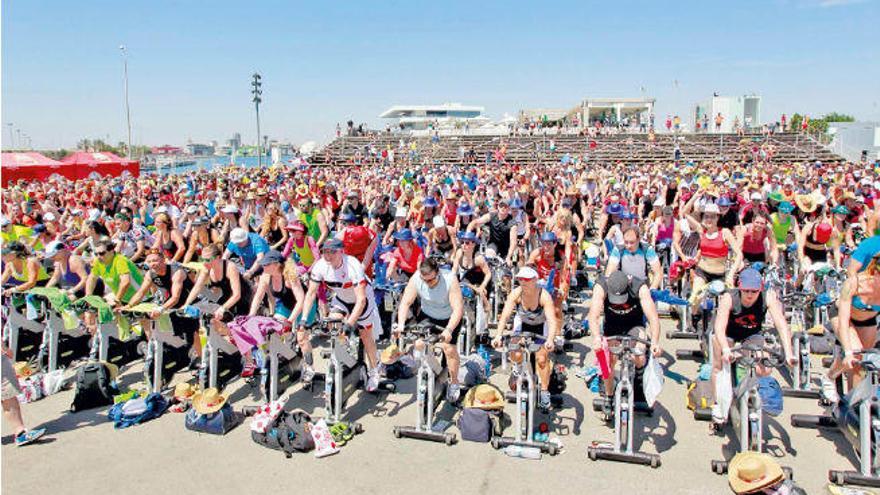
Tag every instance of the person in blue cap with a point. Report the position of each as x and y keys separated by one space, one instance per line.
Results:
x=740 y=316
x=406 y=257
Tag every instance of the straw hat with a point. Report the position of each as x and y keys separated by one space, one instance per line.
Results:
x=185 y=391
x=209 y=401
x=484 y=396
x=749 y=472
x=806 y=202
x=391 y=354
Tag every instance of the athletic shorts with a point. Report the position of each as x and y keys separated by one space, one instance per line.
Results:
x=441 y=323
x=369 y=319
x=540 y=331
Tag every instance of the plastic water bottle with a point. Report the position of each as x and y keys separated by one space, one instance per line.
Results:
x=484 y=354
x=522 y=452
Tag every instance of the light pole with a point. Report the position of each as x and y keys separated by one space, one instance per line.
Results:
x=11 y=145
x=257 y=92
x=18 y=137
x=127 y=109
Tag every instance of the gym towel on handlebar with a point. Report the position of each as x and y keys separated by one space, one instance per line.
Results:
x=58 y=301
x=125 y=325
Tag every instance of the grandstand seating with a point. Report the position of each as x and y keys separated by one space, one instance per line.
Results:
x=637 y=148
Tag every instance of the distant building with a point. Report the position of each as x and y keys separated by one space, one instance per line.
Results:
x=743 y=109
x=614 y=110
x=855 y=140
x=166 y=150
x=199 y=149
x=235 y=142
x=447 y=115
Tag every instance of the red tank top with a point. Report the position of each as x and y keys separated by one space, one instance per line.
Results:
x=545 y=266
x=713 y=248
x=754 y=245
x=408 y=264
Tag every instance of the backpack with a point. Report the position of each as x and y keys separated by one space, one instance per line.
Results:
x=291 y=432
x=700 y=395
x=136 y=411
x=218 y=423
x=93 y=387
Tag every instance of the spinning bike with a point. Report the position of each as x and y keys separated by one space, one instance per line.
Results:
x=625 y=408
x=746 y=413
x=857 y=416
x=432 y=379
x=525 y=385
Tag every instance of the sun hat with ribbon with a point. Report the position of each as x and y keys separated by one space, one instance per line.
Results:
x=209 y=401
x=185 y=391
x=484 y=396
x=749 y=472
x=391 y=354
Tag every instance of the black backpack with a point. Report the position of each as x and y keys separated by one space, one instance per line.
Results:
x=94 y=387
x=291 y=432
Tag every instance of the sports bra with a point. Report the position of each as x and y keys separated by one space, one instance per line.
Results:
x=664 y=233
x=752 y=245
x=283 y=296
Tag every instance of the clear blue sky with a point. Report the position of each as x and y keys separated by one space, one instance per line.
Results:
x=325 y=62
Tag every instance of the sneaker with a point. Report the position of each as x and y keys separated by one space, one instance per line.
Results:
x=544 y=400
x=452 y=392
x=308 y=374
x=372 y=380
x=29 y=436
x=829 y=390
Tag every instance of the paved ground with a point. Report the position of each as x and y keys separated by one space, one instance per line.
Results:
x=85 y=454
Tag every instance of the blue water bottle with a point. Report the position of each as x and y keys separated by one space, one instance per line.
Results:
x=484 y=353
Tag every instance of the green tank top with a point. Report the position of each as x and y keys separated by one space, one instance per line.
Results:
x=311 y=222
x=23 y=277
x=780 y=230
x=305 y=253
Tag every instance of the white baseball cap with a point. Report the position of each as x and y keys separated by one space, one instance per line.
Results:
x=238 y=235
x=230 y=209
x=49 y=217
x=527 y=273
x=756 y=196
x=711 y=208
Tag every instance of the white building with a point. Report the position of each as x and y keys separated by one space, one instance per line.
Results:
x=853 y=140
x=445 y=116
x=635 y=110
x=743 y=109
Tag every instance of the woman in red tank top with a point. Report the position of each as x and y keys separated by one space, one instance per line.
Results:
x=715 y=247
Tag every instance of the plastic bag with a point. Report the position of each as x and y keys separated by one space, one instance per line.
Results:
x=723 y=394
x=53 y=381
x=652 y=381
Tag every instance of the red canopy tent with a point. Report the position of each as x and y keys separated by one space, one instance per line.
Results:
x=102 y=164
x=33 y=166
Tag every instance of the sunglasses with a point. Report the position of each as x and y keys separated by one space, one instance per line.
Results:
x=429 y=280
x=101 y=253
x=750 y=291
x=329 y=251
x=203 y=259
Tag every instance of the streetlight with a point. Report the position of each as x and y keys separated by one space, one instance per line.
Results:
x=18 y=137
x=127 y=109
x=257 y=92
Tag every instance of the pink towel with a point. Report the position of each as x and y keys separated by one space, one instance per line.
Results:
x=251 y=331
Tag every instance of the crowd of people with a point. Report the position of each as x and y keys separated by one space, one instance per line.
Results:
x=297 y=243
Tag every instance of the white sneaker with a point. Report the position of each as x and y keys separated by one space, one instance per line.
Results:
x=308 y=374
x=372 y=380
x=544 y=400
x=452 y=392
x=829 y=390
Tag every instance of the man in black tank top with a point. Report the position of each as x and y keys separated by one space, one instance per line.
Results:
x=740 y=316
x=172 y=284
x=626 y=306
x=502 y=235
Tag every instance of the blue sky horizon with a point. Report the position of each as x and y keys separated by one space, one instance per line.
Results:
x=190 y=62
